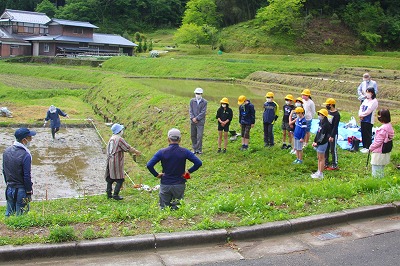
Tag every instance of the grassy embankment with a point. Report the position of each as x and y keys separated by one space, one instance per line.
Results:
x=231 y=189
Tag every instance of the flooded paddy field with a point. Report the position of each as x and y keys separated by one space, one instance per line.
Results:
x=71 y=166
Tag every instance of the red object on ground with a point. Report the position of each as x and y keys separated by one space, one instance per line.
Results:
x=186 y=175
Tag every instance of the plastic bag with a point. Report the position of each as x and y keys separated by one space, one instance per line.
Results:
x=352 y=123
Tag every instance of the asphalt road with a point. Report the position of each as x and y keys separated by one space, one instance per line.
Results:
x=373 y=241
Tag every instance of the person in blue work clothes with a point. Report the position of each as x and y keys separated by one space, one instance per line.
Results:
x=17 y=162
x=271 y=110
x=173 y=176
x=53 y=114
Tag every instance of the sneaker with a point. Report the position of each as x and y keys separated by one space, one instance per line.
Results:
x=289 y=146
x=284 y=146
x=297 y=161
x=292 y=151
x=219 y=150
x=224 y=151
x=317 y=175
x=364 y=150
x=266 y=144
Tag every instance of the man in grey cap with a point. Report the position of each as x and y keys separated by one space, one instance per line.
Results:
x=197 y=112
x=173 y=175
x=17 y=163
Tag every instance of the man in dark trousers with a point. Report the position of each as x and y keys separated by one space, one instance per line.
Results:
x=173 y=175
x=17 y=162
x=197 y=112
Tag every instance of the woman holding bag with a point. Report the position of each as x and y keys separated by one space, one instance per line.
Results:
x=381 y=147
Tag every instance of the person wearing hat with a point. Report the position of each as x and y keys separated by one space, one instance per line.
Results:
x=309 y=109
x=299 y=134
x=321 y=142
x=173 y=175
x=53 y=114
x=334 y=119
x=115 y=161
x=247 y=118
x=367 y=118
x=366 y=83
x=224 y=117
x=17 y=164
x=287 y=110
x=197 y=112
x=292 y=121
x=270 y=115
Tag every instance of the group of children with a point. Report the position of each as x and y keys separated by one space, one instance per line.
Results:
x=296 y=125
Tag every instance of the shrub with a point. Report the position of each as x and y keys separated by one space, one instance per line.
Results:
x=60 y=234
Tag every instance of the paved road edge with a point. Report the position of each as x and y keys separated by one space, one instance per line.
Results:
x=191 y=238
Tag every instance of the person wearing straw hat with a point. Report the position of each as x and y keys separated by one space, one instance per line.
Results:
x=247 y=119
x=53 y=114
x=224 y=117
x=115 y=161
x=321 y=142
x=287 y=110
x=173 y=176
x=17 y=164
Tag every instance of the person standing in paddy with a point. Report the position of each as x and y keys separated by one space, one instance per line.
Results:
x=334 y=119
x=53 y=114
x=224 y=117
x=115 y=161
x=197 y=112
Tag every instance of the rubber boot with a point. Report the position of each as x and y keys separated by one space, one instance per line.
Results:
x=116 y=191
x=109 y=190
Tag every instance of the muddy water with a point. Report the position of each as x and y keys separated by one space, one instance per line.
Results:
x=71 y=166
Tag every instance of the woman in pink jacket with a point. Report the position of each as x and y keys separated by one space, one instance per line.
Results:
x=383 y=134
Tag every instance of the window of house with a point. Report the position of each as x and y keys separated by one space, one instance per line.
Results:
x=14 y=46
x=78 y=30
x=46 y=47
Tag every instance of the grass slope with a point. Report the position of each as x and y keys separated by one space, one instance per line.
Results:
x=233 y=189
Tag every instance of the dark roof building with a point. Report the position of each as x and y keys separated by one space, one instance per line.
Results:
x=32 y=33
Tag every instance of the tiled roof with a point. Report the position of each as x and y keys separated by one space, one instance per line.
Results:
x=25 y=16
x=72 y=23
x=98 y=38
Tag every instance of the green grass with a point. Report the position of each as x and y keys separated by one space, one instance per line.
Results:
x=233 y=189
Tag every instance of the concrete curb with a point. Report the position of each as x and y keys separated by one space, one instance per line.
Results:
x=190 y=238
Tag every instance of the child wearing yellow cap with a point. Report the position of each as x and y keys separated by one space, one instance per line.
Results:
x=321 y=142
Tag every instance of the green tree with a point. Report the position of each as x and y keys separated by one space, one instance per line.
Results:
x=280 y=16
x=211 y=36
x=201 y=12
x=192 y=34
x=46 y=7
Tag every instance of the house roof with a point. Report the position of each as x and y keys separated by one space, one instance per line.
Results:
x=98 y=38
x=25 y=16
x=72 y=23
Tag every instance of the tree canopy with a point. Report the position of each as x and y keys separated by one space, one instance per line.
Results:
x=377 y=23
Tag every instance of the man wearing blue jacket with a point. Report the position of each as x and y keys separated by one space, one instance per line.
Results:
x=247 y=118
x=17 y=162
x=173 y=175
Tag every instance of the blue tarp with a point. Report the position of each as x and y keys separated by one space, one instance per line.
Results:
x=344 y=133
